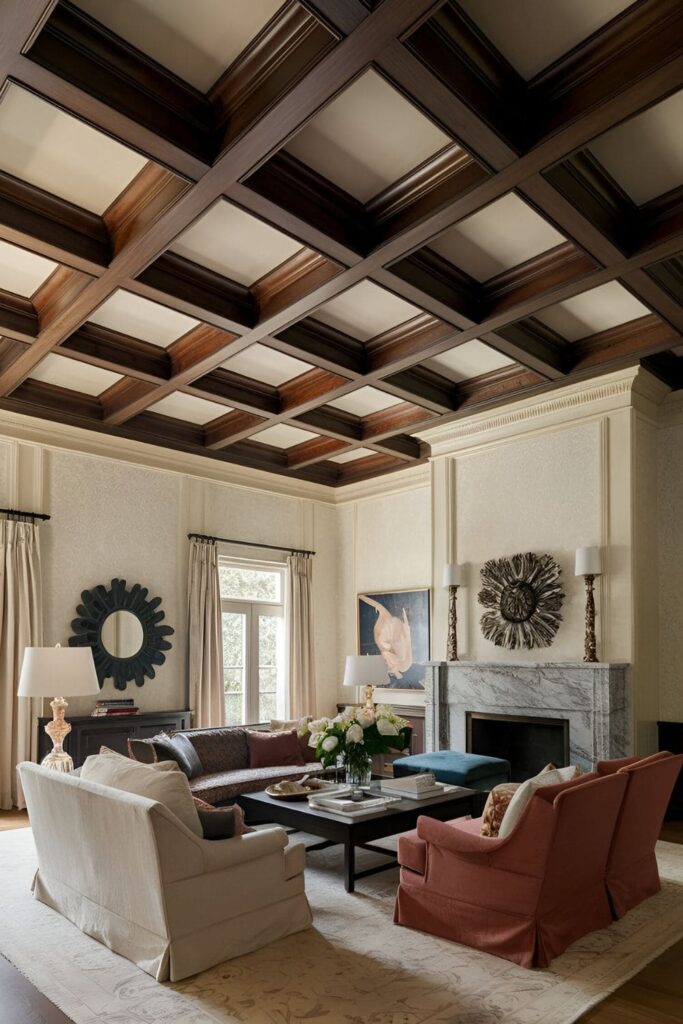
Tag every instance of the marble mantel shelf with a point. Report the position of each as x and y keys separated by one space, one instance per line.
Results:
x=595 y=697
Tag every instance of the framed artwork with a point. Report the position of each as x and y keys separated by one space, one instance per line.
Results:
x=396 y=624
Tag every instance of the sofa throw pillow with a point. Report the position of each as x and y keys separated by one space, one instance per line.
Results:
x=274 y=749
x=179 y=749
x=221 y=822
x=525 y=793
x=496 y=805
x=142 y=751
x=166 y=785
x=300 y=724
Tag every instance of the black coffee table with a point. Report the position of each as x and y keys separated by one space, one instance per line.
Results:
x=334 y=830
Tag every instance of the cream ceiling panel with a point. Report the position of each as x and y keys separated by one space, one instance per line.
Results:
x=534 y=33
x=593 y=311
x=62 y=155
x=502 y=235
x=234 y=244
x=266 y=365
x=143 y=319
x=284 y=436
x=353 y=455
x=365 y=401
x=72 y=374
x=645 y=155
x=365 y=311
x=367 y=138
x=189 y=408
x=22 y=272
x=469 y=360
x=197 y=40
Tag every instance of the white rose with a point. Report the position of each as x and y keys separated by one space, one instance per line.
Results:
x=386 y=728
x=319 y=726
x=329 y=743
x=354 y=733
x=315 y=739
x=366 y=717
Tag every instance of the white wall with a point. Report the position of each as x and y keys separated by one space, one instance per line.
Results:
x=113 y=518
x=670 y=567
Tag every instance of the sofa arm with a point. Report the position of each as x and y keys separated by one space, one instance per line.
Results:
x=226 y=853
x=456 y=840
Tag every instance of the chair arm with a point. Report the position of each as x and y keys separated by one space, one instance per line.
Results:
x=456 y=840
x=225 y=853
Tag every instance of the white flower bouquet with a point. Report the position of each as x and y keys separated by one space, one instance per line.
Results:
x=356 y=735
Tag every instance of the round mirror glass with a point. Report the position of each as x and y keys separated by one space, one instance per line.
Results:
x=122 y=634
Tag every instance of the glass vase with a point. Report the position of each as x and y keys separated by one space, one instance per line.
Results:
x=358 y=770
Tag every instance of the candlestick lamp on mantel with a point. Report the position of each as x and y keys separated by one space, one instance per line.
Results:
x=64 y=670
x=589 y=565
x=453 y=577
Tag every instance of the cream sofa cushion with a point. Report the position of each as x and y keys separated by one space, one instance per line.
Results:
x=167 y=786
x=523 y=796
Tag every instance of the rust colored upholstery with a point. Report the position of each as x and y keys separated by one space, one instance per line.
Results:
x=632 y=875
x=526 y=897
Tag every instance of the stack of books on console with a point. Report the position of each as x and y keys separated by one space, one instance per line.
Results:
x=416 y=787
x=114 y=707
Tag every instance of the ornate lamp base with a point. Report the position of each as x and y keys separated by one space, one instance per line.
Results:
x=58 y=729
x=368 y=693
x=452 y=645
x=590 y=646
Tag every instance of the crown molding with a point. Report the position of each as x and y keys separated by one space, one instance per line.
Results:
x=575 y=401
x=63 y=437
x=384 y=486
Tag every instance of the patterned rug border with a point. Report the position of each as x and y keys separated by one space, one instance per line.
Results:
x=577 y=981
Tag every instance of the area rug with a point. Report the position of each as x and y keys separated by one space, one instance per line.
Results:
x=353 y=967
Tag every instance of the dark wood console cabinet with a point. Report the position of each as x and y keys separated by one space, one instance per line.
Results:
x=88 y=734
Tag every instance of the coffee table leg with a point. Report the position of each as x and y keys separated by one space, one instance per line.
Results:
x=349 y=865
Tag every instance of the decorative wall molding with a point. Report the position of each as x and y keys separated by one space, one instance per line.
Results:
x=611 y=391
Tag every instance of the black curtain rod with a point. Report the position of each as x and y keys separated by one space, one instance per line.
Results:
x=248 y=544
x=26 y=515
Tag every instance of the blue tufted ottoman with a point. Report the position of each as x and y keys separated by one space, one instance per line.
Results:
x=475 y=771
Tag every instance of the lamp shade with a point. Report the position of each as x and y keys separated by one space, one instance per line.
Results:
x=58 y=672
x=453 y=575
x=365 y=670
x=588 y=562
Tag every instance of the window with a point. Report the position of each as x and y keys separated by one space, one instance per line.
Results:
x=252 y=604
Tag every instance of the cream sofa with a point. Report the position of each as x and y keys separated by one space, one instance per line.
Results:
x=125 y=870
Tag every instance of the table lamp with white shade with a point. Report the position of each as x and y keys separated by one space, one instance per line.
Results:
x=589 y=565
x=368 y=670
x=453 y=577
x=65 y=670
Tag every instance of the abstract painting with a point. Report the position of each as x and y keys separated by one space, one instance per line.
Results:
x=396 y=625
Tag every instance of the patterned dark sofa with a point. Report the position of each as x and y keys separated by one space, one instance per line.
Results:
x=224 y=753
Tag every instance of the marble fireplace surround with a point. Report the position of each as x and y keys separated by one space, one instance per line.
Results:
x=595 y=698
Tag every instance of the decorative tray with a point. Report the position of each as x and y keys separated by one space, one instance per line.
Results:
x=293 y=791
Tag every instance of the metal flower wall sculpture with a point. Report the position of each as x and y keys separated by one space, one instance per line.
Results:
x=525 y=596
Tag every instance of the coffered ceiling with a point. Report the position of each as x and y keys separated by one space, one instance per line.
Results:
x=295 y=236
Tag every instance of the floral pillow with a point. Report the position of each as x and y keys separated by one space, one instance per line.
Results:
x=497 y=804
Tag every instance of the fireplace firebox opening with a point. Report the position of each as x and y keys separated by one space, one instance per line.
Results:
x=526 y=741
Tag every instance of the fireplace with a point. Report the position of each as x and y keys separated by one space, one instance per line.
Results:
x=527 y=742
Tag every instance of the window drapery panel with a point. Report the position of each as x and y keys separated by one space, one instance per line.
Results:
x=302 y=689
x=205 y=636
x=20 y=627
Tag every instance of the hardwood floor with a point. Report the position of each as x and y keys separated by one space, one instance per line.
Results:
x=654 y=996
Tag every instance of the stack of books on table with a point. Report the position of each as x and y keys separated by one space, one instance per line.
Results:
x=416 y=787
x=350 y=809
x=107 y=708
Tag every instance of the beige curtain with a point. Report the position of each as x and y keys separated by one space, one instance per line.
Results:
x=302 y=691
x=207 y=700
x=20 y=626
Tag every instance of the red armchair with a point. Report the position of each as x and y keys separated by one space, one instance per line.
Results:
x=526 y=897
x=632 y=874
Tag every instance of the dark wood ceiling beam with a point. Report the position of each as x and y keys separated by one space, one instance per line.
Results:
x=317 y=450
x=196 y=348
x=651 y=290
x=10 y=349
x=667 y=367
x=120 y=353
x=324 y=346
x=291 y=281
x=52 y=227
x=530 y=343
x=18 y=317
x=125 y=398
x=395 y=419
x=497 y=387
x=196 y=291
x=372 y=466
x=234 y=426
x=232 y=389
x=637 y=339
x=310 y=389
x=422 y=386
x=61 y=289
